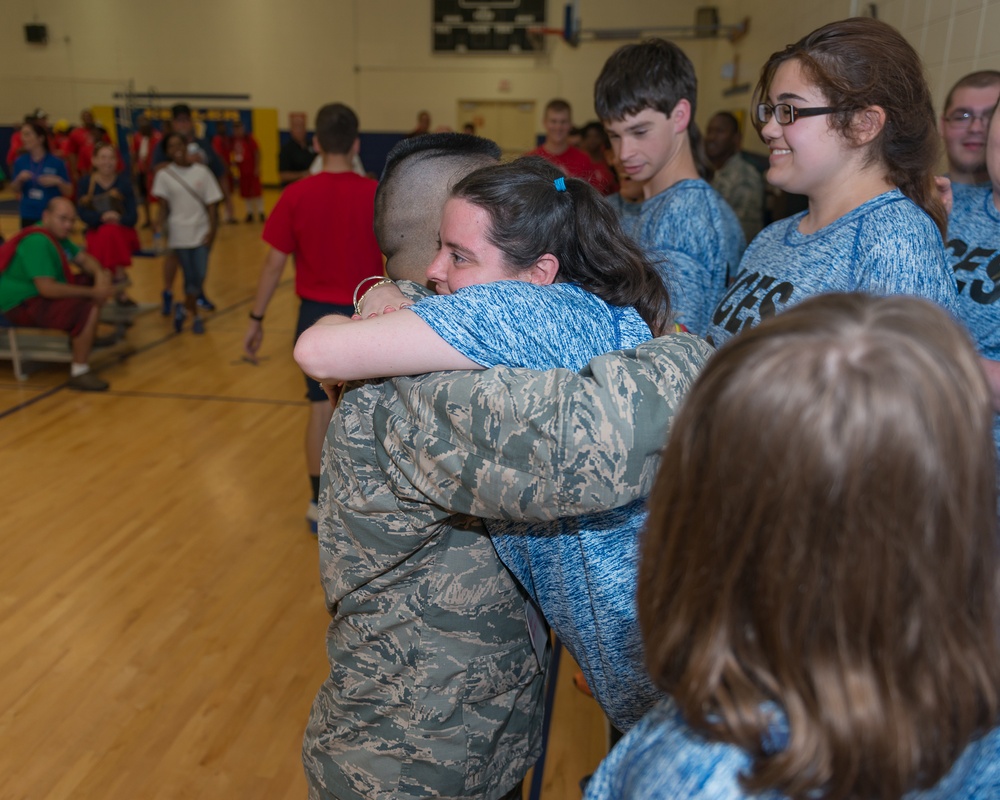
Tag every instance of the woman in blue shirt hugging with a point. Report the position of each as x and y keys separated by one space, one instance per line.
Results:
x=533 y=271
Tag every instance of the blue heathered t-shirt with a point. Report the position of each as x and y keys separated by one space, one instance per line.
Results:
x=691 y=218
x=885 y=246
x=581 y=571
x=662 y=758
x=973 y=251
x=628 y=214
x=959 y=189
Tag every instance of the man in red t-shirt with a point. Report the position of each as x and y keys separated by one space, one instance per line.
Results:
x=80 y=146
x=326 y=222
x=60 y=139
x=558 y=121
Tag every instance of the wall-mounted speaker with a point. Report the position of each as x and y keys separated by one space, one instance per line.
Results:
x=36 y=34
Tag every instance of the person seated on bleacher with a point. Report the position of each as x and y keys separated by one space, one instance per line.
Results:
x=106 y=204
x=39 y=290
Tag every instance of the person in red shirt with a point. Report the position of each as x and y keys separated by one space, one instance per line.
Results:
x=595 y=143
x=80 y=146
x=558 y=121
x=326 y=221
x=245 y=156
x=222 y=144
x=16 y=143
x=141 y=147
x=60 y=139
x=78 y=137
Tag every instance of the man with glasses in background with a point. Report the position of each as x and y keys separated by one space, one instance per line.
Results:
x=966 y=117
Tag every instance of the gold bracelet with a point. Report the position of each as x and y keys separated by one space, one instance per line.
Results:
x=359 y=300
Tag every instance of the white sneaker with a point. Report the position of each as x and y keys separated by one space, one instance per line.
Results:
x=312 y=517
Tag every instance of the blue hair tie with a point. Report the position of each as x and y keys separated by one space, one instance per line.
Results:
x=560 y=184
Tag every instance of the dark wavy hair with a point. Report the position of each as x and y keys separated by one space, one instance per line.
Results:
x=172 y=135
x=39 y=130
x=652 y=74
x=530 y=217
x=599 y=129
x=862 y=62
x=822 y=536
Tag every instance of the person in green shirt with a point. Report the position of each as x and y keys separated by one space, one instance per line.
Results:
x=37 y=287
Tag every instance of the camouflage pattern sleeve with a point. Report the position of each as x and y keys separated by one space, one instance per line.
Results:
x=414 y=291
x=535 y=446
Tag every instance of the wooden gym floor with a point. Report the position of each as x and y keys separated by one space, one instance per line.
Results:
x=160 y=608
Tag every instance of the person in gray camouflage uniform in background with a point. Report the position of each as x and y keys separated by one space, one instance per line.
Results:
x=435 y=688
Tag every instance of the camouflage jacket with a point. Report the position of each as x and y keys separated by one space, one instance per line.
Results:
x=434 y=687
x=552 y=458
x=537 y=446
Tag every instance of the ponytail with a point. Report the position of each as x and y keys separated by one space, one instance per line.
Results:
x=611 y=265
x=922 y=190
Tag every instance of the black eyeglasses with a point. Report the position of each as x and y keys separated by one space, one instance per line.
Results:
x=786 y=114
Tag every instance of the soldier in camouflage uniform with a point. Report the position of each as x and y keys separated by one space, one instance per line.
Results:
x=435 y=689
x=580 y=571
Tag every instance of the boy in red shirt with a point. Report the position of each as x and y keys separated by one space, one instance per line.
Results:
x=558 y=121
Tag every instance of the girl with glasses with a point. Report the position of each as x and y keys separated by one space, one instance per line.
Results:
x=847 y=116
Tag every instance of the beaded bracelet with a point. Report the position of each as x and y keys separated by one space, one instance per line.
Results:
x=379 y=281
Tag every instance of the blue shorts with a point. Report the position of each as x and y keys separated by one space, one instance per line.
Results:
x=310 y=311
